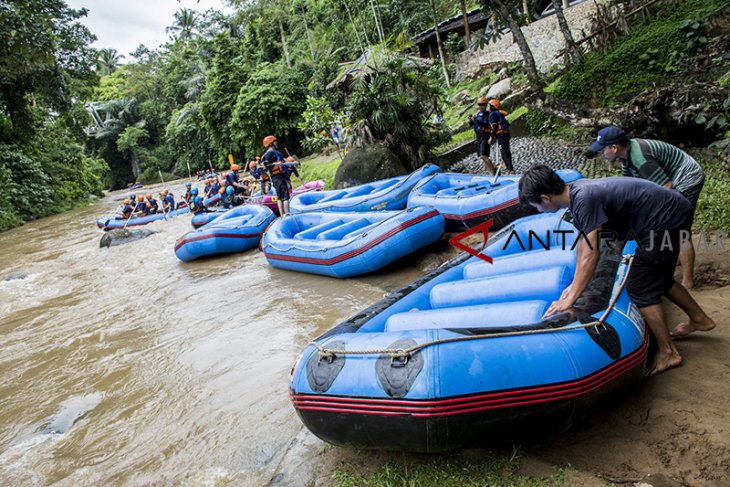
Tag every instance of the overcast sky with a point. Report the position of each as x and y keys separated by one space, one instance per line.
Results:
x=125 y=24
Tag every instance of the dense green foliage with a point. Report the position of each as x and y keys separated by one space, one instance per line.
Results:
x=45 y=65
x=647 y=53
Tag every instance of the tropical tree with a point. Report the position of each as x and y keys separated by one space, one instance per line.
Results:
x=186 y=20
x=506 y=11
x=392 y=103
x=108 y=60
x=574 y=52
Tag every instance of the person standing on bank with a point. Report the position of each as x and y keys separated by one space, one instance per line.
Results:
x=480 y=123
x=499 y=132
x=654 y=215
x=274 y=162
x=661 y=163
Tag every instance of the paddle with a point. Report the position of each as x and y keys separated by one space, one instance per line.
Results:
x=130 y=216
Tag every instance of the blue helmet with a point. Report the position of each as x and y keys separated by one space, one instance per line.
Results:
x=187 y=185
x=198 y=200
x=194 y=191
x=230 y=190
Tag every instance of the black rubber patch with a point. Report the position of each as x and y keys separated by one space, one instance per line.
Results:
x=322 y=371
x=396 y=375
x=605 y=336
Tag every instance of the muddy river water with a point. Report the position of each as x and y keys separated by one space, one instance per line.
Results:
x=125 y=366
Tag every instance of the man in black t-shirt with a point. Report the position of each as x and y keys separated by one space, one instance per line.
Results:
x=633 y=208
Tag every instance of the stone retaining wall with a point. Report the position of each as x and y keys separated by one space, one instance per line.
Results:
x=543 y=36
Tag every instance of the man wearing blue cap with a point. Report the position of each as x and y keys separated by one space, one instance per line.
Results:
x=661 y=163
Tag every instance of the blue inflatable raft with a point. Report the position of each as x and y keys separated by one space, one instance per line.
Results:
x=349 y=244
x=110 y=223
x=467 y=199
x=119 y=222
x=385 y=194
x=200 y=219
x=464 y=356
x=235 y=231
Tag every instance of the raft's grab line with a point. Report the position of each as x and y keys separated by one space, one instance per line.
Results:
x=352 y=253
x=215 y=235
x=471 y=403
x=485 y=211
x=404 y=353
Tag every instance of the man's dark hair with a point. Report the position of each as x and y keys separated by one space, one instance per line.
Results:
x=622 y=142
x=539 y=180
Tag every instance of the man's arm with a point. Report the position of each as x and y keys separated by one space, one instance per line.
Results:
x=587 y=260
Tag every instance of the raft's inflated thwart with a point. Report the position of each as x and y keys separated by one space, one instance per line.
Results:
x=386 y=194
x=463 y=355
x=235 y=231
x=466 y=199
x=121 y=222
x=349 y=244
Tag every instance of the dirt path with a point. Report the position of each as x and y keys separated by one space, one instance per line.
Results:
x=675 y=427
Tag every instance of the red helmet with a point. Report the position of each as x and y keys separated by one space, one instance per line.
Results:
x=268 y=140
x=482 y=101
x=495 y=103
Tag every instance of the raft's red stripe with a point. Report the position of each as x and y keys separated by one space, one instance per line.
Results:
x=214 y=235
x=481 y=402
x=358 y=251
x=482 y=212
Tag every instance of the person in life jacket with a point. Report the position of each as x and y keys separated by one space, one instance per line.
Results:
x=230 y=198
x=168 y=201
x=291 y=170
x=197 y=205
x=258 y=171
x=274 y=163
x=215 y=186
x=499 y=132
x=207 y=187
x=127 y=209
x=152 y=205
x=480 y=123
x=142 y=208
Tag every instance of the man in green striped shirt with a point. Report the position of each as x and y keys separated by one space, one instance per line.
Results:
x=661 y=163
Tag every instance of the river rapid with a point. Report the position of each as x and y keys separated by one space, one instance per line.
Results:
x=125 y=366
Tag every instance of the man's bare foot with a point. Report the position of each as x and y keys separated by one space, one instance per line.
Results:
x=664 y=361
x=688 y=283
x=684 y=329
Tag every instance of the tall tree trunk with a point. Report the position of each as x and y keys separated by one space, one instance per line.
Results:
x=362 y=24
x=530 y=67
x=283 y=45
x=440 y=46
x=467 y=29
x=378 y=27
x=354 y=26
x=576 y=55
x=309 y=39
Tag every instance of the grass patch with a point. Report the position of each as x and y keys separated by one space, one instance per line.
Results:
x=320 y=166
x=446 y=471
x=514 y=115
x=713 y=207
x=456 y=139
x=455 y=115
